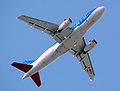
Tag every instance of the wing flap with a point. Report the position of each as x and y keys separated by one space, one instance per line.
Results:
x=36 y=79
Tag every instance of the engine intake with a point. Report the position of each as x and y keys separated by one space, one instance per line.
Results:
x=66 y=23
x=90 y=46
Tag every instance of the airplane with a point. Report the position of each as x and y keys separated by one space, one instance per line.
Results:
x=68 y=39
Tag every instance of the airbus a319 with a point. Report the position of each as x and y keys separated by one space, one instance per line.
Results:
x=68 y=39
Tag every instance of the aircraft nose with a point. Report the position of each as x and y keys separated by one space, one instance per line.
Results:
x=101 y=9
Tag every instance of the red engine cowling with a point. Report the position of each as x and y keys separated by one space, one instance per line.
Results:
x=66 y=23
x=90 y=46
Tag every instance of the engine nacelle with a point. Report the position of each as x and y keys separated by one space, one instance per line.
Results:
x=90 y=46
x=64 y=25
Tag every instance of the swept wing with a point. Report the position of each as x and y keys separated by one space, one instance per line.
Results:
x=47 y=27
x=83 y=58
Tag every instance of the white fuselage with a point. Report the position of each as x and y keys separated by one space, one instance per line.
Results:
x=58 y=49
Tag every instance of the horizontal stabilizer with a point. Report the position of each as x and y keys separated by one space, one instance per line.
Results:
x=36 y=79
x=22 y=67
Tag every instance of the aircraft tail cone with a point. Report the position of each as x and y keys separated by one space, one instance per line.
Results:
x=25 y=76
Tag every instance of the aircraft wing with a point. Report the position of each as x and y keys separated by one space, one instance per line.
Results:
x=85 y=61
x=83 y=58
x=47 y=27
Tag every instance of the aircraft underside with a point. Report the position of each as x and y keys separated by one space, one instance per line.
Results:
x=68 y=40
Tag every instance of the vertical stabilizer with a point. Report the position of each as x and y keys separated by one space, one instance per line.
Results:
x=36 y=79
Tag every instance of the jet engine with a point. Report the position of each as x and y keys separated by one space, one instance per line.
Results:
x=66 y=23
x=90 y=46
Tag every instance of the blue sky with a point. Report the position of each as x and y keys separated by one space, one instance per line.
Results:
x=19 y=42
